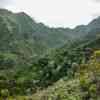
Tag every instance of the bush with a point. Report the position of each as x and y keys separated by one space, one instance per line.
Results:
x=4 y=93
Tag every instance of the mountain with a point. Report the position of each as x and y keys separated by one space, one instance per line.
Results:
x=26 y=39
x=20 y=26
x=33 y=55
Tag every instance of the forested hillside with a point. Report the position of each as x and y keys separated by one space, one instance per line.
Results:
x=83 y=83
x=35 y=57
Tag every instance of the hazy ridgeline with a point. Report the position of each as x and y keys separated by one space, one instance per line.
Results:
x=34 y=56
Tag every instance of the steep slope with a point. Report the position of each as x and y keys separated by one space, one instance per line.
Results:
x=20 y=26
x=25 y=50
x=84 y=85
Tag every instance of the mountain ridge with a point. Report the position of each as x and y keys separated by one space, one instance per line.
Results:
x=34 y=56
x=20 y=26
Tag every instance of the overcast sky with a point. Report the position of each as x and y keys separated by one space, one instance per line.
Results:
x=56 y=13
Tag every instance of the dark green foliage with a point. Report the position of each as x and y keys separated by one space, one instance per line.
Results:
x=34 y=56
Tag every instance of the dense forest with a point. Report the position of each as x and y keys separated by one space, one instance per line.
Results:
x=38 y=62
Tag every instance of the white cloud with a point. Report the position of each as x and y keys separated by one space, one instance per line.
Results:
x=4 y=3
x=67 y=13
x=96 y=1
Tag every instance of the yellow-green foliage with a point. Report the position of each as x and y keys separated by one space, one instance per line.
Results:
x=84 y=86
x=97 y=53
x=62 y=90
x=97 y=56
x=4 y=93
x=89 y=77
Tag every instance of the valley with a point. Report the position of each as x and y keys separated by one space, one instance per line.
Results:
x=38 y=62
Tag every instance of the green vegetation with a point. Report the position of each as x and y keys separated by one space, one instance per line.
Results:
x=42 y=63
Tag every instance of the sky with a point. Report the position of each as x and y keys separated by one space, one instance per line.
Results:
x=56 y=13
